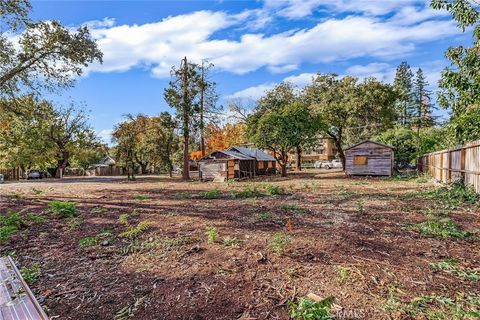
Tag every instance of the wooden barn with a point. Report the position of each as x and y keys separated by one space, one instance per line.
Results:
x=226 y=164
x=264 y=163
x=369 y=158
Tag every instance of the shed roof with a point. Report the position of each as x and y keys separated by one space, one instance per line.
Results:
x=233 y=155
x=253 y=153
x=370 y=141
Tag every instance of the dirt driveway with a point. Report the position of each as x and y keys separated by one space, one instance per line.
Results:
x=159 y=248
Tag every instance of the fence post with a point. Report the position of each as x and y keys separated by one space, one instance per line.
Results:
x=449 y=166
x=462 y=162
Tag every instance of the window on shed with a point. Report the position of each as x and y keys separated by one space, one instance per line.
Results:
x=360 y=160
x=260 y=165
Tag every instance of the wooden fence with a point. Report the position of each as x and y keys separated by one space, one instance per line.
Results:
x=12 y=174
x=460 y=163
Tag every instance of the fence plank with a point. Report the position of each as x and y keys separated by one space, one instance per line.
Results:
x=460 y=163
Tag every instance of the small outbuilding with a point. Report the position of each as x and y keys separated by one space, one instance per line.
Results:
x=264 y=163
x=226 y=164
x=369 y=158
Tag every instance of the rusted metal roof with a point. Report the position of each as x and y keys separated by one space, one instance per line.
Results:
x=17 y=302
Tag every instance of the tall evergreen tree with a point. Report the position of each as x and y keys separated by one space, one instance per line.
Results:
x=403 y=85
x=423 y=108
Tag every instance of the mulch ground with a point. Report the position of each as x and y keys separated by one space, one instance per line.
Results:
x=170 y=271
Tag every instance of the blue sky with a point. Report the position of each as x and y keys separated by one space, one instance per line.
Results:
x=253 y=44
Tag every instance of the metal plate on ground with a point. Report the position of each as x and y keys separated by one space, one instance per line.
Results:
x=16 y=300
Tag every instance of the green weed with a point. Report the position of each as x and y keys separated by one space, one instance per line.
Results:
x=307 y=309
x=457 y=193
x=360 y=207
x=212 y=194
x=141 y=197
x=87 y=242
x=343 y=273
x=123 y=219
x=294 y=208
x=273 y=189
x=231 y=242
x=264 y=216
x=64 y=209
x=451 y=266
x=279 y=243
x=134 y=231
x=443 y=228
x=433 y=307
x=249 y=192
x=16 y=221
x=345 y=192
x=212 y=235
x=31 y=274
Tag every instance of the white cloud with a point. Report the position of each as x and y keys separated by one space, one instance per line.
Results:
x=251 y=93
x=105 y=135
x=157 y=46
x=300 y=80
x=381 y=71
x=295 y=9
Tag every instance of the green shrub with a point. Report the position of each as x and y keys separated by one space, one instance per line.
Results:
x=279 y=242
x=273 y=189
x=307 y=309
x=212 y=235
x=443 y=228
x=31 y=274
x=65 y=209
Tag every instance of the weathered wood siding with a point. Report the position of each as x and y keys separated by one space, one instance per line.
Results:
x=213 y=169
x=461 y=163
x=379 y=160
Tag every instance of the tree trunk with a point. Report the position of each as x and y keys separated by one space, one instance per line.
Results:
x=170 y=169
x=144 y=168
x=299 y=158
x=61 y=165
x=284 y=169
x=341 y=154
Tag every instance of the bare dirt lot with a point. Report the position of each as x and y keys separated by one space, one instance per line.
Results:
x=159 y=248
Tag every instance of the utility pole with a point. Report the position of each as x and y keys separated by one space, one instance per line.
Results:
x=202 y=108
x=186 y=121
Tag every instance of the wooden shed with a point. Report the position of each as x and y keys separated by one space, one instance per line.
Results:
x=264 y=163
x=369 y=158
x=226 y=164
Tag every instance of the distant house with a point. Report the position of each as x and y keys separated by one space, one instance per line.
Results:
x=235 y=163
x=105 y=167
x=369 y=158
x=324 y=150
